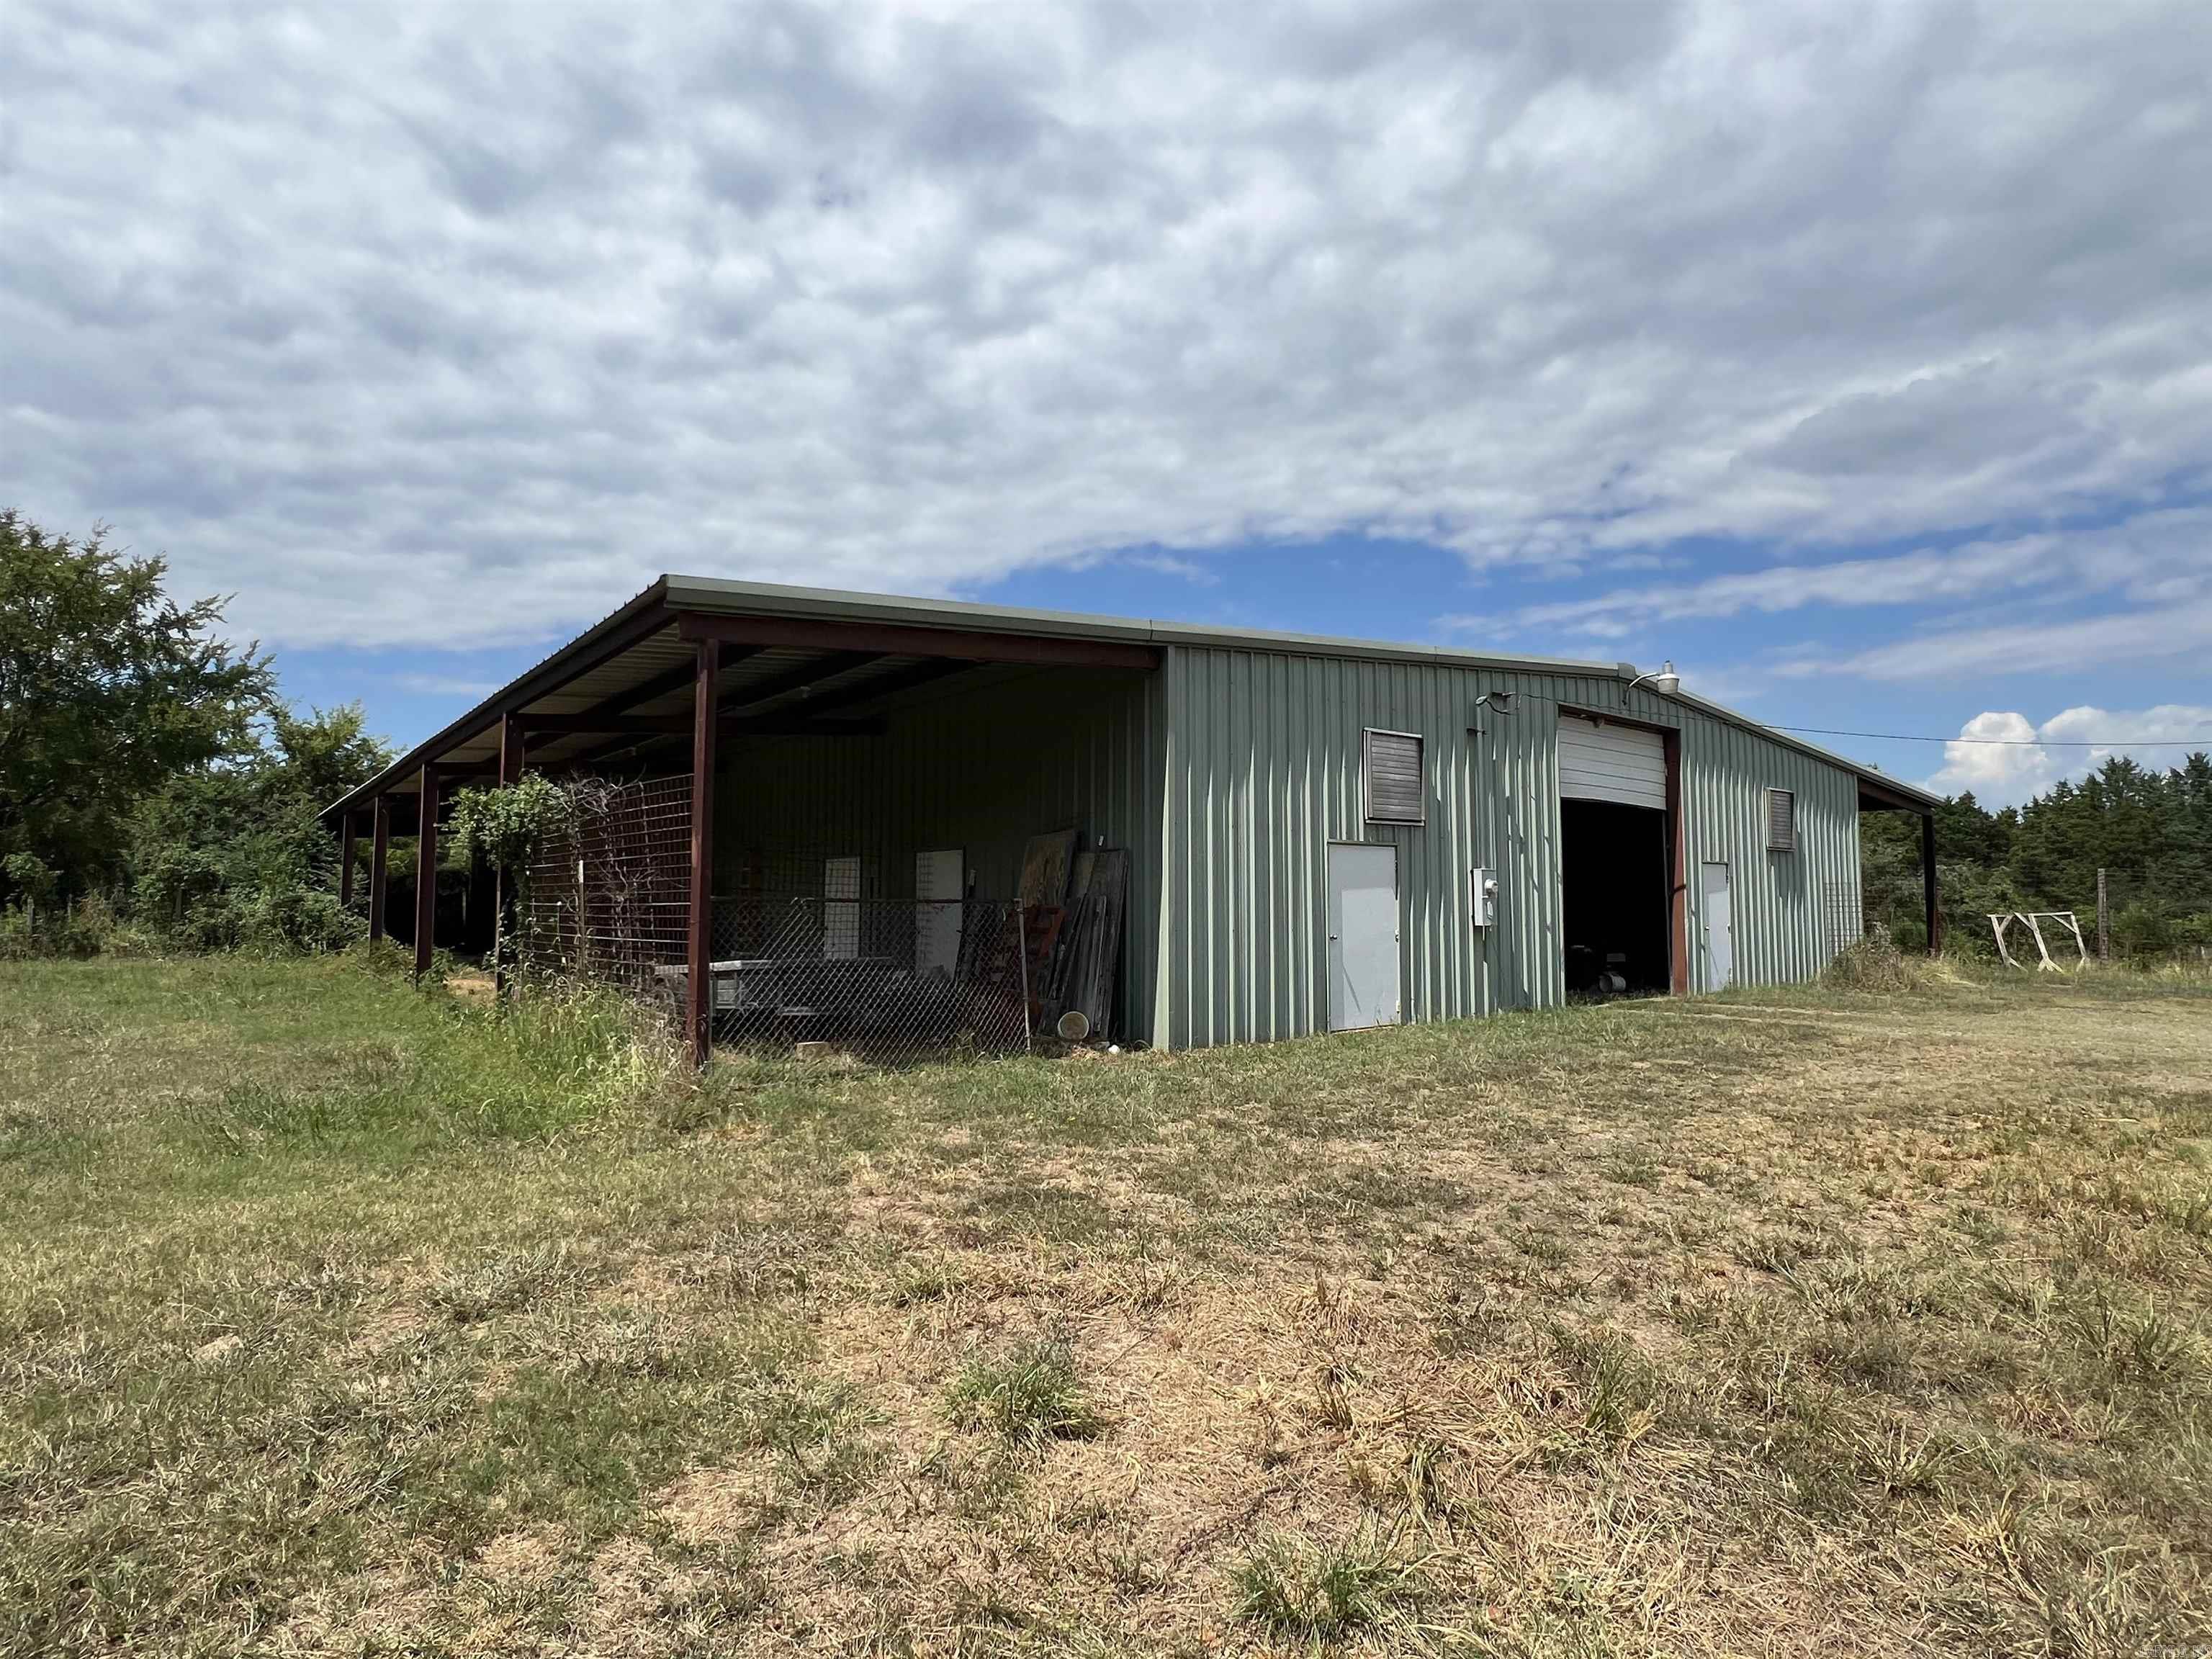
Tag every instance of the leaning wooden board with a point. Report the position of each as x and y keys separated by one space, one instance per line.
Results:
x=1046 y=864
x=1091 y=981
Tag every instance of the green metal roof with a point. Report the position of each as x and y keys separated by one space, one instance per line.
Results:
x=711 y=595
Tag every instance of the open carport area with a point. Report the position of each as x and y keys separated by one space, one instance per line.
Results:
x=818 y=827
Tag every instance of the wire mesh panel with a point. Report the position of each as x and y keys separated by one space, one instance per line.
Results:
x=888 y=981
x=1844 y=919
x=607 y=895
x=885 y=981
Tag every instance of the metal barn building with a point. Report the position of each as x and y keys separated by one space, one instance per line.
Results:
x=1320 y=834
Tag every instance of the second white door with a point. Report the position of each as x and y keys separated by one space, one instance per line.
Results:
x=1719 y=927
x=1363 y=936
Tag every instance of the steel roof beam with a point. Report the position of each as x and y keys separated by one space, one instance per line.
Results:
x=675 y=726
x=887 y=685
x=797 y=677
x=901 y=639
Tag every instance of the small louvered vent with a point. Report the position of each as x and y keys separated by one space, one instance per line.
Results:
x=1392 y=765
x=1780 y=821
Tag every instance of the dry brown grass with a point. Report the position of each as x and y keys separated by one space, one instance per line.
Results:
x=1808 y=1323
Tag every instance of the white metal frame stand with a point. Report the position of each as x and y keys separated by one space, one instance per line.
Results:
x=2033 y=918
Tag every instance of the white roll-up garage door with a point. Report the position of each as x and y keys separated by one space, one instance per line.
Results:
x=1610 y=762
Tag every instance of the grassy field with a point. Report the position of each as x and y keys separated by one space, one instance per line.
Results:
x=337 y=1318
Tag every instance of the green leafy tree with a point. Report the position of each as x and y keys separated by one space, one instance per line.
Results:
x=231 y=853
x=108 y=688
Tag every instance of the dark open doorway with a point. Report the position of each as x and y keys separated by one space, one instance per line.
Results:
x=1614 y=876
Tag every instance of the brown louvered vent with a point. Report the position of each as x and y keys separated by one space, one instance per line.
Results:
x=1780 y=821
x=1392 y=762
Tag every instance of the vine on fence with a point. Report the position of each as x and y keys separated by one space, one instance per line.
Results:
x=507 y=826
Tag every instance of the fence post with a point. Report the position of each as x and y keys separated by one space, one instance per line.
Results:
x=1928 y=883
x=426 y=871
x=2104 y=920
x=502 y=889
x=379 y=850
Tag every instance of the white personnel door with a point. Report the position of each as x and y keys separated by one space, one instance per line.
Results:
x=1363 y=936
x=939 y=879
x=841 y=908
x=1719 y=926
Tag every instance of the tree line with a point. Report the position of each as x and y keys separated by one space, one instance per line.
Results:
x=2149 y=829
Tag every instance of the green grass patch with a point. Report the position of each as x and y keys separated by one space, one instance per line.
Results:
x=1299 y=1590
x=1028 y=1394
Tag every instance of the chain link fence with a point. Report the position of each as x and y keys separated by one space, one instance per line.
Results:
x=886 y=980
x=889 y=981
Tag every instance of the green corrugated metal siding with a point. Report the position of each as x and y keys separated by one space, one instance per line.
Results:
x=1262 y=772
x=1793 y=910
x=1227 y=774
x=981 y=768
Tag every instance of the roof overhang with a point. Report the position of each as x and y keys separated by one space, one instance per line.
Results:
x=820 y=661
x=1883 y=794
x=794 y=663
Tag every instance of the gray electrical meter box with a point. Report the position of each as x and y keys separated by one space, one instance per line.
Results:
x=1485 y=894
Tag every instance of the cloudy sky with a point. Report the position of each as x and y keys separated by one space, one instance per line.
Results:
x=1858 y=357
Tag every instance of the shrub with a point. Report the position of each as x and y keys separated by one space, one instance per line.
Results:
x=1874 y=963
x=297 y=920
x=2139 y=932
x=269 y=921
x=82 y=927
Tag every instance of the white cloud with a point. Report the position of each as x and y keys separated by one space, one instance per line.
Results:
x=1164 y=564
x=1976 y=571
x=2021 y=602
x=2002 y=763
x=433 y=323
x=2008 y=758
x=449 y=685
x=2051 y=643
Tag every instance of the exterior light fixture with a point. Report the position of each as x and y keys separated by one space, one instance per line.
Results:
x=1499 y=702
x=1666 y=682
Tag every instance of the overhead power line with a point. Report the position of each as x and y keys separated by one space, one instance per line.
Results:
x=2023 y=742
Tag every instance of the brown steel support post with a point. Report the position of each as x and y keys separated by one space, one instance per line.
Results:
x=698 y=940
x=426 y=872
x=1928 y=883
x=1677 y=879
x=380 y=851
x=345 y=862
x=510 y=774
